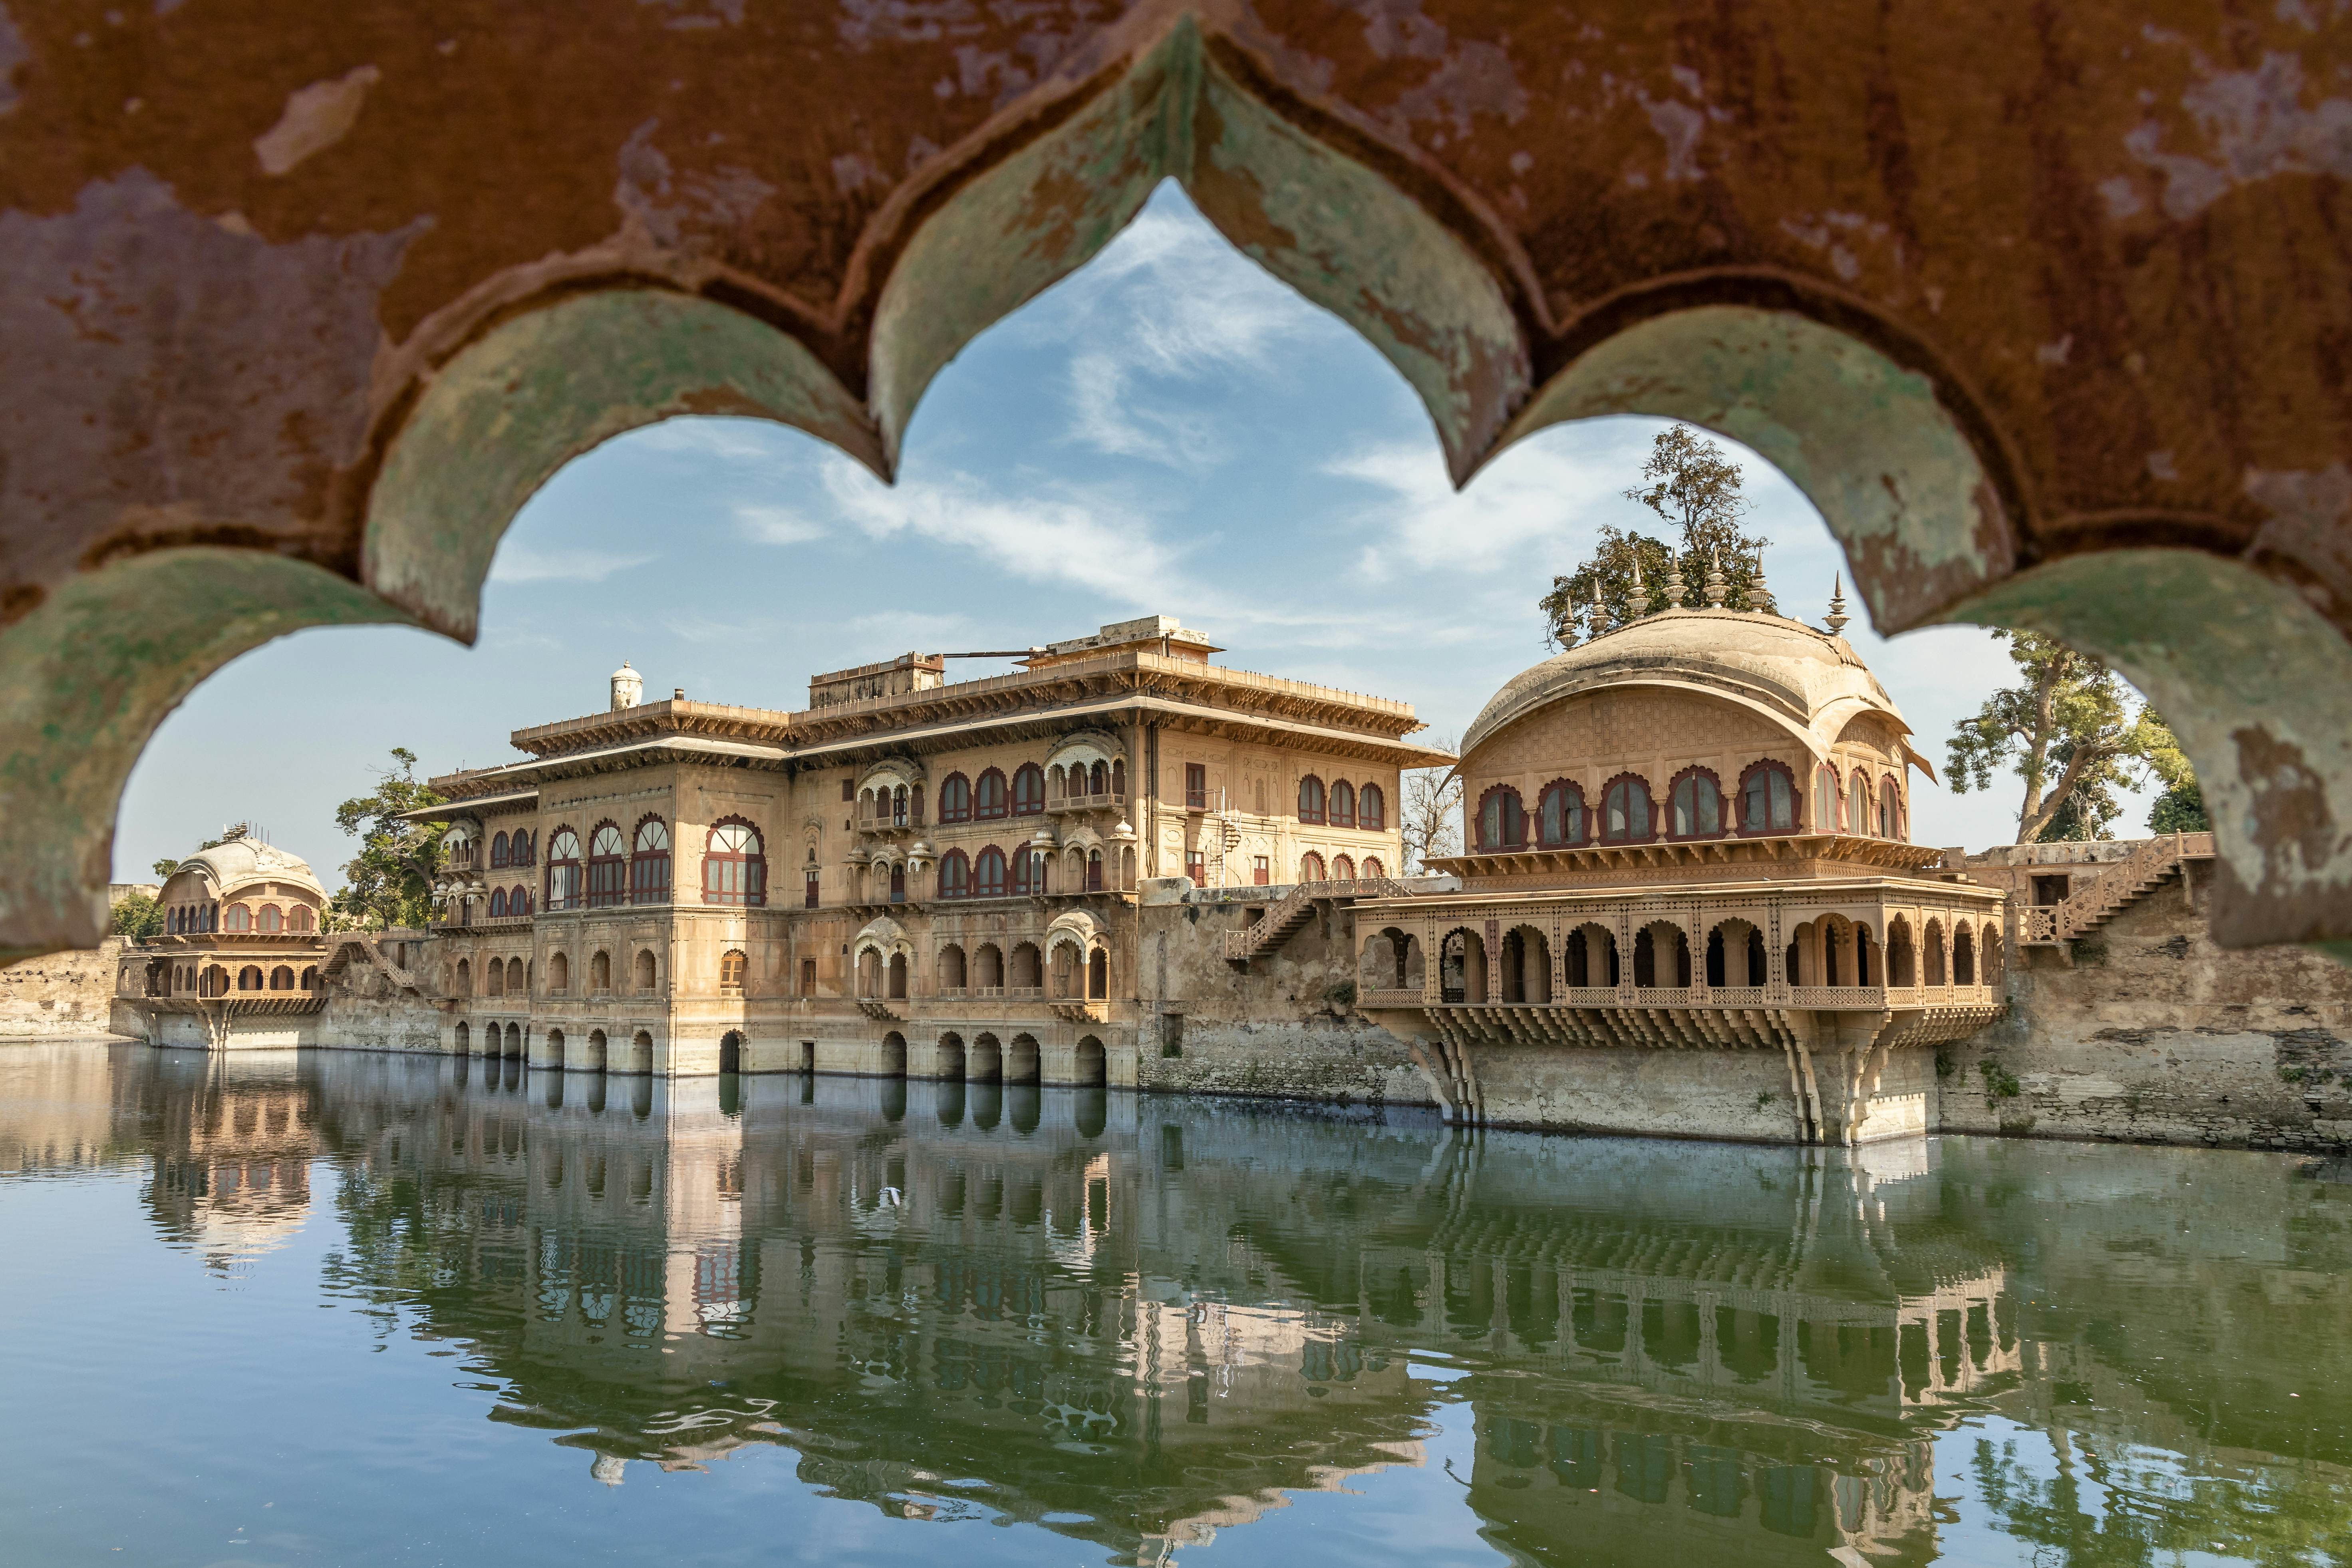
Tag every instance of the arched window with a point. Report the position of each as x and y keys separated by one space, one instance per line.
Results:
x=1890 y=808
x=734 y=864
x=519 y=902
x=988 y=874
x=1098 y=780
x=1028 y=790
x=281 y=978
x=1372 y=808
x=988 y=796
x=899 y=806
x=599 y=972
x=494 y=979
x=1857 y=803
x=1766 y=799
x=607 y=866
x=1825 y=800
x=649 y=863
x=1028 y=870
x=1502 y=820
x=465 y=978
x=559 y=973
x=310 y=978
x=1343 y=804
x=1625 y=810
x=1310 y=799
x=1118 y=778
x=955 y=798
x=302 y=921
x=273 y=920
x=648 y=971
x=1094 y=871
x=497 y=903
x=1310 y=868
x=1559 y=815
x=238 y=918
x=520 y=846
x=1372 y=867
x=563 y=869
x=955 y=875
x=250 y=977
x=1695 y=810
x=499 y=851
x=951 y=967
x=1343 y=869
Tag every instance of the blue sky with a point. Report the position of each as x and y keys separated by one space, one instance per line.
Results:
x=1169 y=431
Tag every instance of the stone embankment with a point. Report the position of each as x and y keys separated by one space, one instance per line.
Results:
x=62 y=993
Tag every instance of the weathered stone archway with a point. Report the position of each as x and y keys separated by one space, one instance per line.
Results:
x=2047 y=345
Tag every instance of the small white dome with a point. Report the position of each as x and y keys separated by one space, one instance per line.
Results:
x=629 y=687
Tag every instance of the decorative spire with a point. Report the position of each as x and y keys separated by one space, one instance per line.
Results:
x=1600 y=613
x=1637 y=602
x=1716 y=587
x=1838 y=617
x=1759 y=593
x=1676 y=591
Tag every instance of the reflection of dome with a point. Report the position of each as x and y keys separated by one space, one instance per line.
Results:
x=1806 y=680
x=243 y=861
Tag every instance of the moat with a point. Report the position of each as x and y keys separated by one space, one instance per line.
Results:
x=335 y=1306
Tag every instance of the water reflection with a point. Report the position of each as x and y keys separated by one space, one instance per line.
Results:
x=1139 y=1321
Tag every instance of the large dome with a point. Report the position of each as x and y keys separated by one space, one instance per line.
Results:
x=1807 y=681
x=243 y=861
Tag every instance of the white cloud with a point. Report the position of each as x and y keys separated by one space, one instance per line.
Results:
x=776 y=525
x=1530 y=497
x=1069 y=537
x=520 y=563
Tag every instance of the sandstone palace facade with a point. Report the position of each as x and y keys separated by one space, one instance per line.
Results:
x=911 y=875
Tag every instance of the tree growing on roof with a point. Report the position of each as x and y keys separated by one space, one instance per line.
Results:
x=389 y=883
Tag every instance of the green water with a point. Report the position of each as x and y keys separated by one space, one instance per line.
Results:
x=332 y=1307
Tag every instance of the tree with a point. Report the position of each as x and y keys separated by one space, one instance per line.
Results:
x=1695 y=488
x=2181 y=807
x=1430 y=820
x=138 y=917
x=390 y=881
x=2069 y=730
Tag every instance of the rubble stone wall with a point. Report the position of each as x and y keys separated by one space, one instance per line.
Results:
x=2155 y=1035
x=68 y=992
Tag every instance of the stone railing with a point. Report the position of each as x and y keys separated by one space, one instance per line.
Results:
x=2119 y=882
x=1288 y=913
x=1824 y=998
x=1394 y=997
x=1109 y=800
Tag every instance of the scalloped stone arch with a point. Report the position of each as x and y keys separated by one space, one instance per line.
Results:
x=488 y=387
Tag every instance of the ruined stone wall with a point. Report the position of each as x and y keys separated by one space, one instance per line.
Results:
x=2156 y=1034
x=1286 y=1027
x=68 y=992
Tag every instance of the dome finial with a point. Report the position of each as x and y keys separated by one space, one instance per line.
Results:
x=1676 y=591
x=1637 y=602
x=1759 y=593
x=1838 y=617
x=1600 y=613
x=1716 y=587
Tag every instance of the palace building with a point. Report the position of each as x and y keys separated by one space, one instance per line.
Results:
x=910 y=876
x=1690 y=902
x=237 y=963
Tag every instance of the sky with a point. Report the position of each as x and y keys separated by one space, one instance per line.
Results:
x=1169 y=430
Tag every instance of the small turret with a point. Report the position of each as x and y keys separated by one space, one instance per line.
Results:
x=1715 y=586
x=629 y=688
x=1837 y=617
x=1637 y=602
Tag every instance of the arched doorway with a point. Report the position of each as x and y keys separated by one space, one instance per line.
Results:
x=949 y=1063
x=730 y=1052
x=641 y=1052
x=987 y=1062
x=894 y=1054
x=1093 y=1063
x=1021 y=1062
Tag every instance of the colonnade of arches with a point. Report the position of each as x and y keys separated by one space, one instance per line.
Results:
x=206 y=980
x=991 y=968
x=1829 y=950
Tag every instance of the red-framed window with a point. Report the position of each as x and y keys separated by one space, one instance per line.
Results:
x=955 y=798
x=607 y=866
x=563 y=869
x=1858 y=815
x=955 y=875
x=1028 y=790
x=1311 y=802
x=734 y=864
x=1311 y=868
x=649 y=863
x=1343 y=804
x=1768 y=799
x=809 y=889
x=1028 y=869
x=1343 y=868
x=1372 y=808
x=1890 y=808
x=1094 y=871
x=1627 y=816
x=1695 y=805
x=988 y=796
x=1261 y=872
x=1562 y=820
x=1502 y=819
x=988 y=872
x=499 y=852
x=1196 y=786
x=1196 y=866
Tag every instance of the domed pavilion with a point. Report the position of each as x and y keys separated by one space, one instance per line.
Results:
x=1691 y=902
x=237 y=963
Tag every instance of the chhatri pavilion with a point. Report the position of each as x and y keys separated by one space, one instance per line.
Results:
x=1691 y=902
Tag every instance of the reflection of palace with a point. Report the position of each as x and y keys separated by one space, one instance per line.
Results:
x=232 y=1142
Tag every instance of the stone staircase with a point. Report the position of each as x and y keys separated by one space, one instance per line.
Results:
x=1297 y=908
x=2121 y=884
